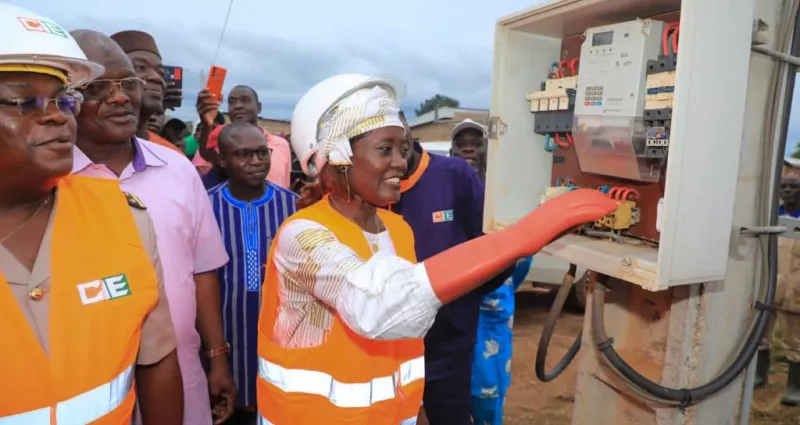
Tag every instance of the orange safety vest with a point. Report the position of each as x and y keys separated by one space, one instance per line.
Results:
x=101 y=288
x=348 y=379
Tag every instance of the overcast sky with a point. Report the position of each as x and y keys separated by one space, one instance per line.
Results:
x=281 y=48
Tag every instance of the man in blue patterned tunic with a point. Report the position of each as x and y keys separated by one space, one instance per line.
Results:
x=249 y=211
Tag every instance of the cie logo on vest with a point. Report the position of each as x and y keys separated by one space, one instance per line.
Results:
x=107 y=288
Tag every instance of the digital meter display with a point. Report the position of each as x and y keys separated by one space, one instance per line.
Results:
x=602 y=38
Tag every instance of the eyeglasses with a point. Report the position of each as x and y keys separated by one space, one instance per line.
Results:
x=101 y=89
x=68 y=103
x=247 y=154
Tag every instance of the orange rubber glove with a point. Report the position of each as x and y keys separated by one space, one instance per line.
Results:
x=463 y=268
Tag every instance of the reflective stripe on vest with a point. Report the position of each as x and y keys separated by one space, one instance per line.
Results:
x=362 y=394
x=83 y=408
x=410 y=421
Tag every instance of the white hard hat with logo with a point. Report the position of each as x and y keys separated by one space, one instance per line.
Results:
x=319 y=100
x=35 y=43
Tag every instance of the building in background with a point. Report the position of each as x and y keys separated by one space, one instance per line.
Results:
x=275 y=126
x=272 y=125
x=791 y=165
x=435 y=126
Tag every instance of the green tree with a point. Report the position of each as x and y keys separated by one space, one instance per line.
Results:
x=796 y=153
x=436 y=102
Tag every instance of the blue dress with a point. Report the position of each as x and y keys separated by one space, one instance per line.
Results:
x=491 y=367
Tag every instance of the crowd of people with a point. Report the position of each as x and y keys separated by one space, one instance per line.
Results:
x=153 y=275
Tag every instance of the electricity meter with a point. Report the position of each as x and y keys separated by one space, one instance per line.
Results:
x=608 y=131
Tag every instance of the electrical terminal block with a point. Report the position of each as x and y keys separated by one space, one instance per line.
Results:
x=627 y=213
x=624 y=217
x=558 y=94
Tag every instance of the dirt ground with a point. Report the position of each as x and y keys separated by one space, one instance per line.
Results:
x=531 y=402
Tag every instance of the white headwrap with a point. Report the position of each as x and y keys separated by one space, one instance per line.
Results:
x=361 y=112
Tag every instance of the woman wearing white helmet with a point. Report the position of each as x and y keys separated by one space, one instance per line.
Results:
x=344 y=303
x=82 y=318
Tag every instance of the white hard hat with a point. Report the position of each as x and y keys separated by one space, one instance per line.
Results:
x=34 y=40
x=320 y=99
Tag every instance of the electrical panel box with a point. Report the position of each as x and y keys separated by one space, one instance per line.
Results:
x=609 y=132
x=648 y=127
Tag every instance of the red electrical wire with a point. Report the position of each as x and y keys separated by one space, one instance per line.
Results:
x=612 y=193
x=569 y=139
x=564 y=145
x=561 y=65
x=675 y=39
x=627 y=192
x=665 y=37
x=573 y=66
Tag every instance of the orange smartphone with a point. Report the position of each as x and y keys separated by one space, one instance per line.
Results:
x=216 y=79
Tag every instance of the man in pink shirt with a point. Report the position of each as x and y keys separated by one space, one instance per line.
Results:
x=187 y=235
x=243 y=105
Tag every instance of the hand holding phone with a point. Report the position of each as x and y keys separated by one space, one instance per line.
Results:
x=173 y=96
x=207 y=107
x=216 y=79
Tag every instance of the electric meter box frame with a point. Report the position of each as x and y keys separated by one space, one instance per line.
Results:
x=696 y=213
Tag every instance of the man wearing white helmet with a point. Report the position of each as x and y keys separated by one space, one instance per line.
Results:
x=345 y=304
x=81 y=288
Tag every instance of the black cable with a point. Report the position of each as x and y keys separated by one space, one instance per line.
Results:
x=688 y=396
x=549 y=328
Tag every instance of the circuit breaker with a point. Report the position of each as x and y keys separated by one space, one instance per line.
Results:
x=609 y=132
x=660 y=87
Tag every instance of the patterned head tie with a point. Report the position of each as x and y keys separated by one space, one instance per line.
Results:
x=359 y=113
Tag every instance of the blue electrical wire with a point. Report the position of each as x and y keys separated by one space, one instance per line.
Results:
x=549 y=146
x=555 y=67
x=570 y=184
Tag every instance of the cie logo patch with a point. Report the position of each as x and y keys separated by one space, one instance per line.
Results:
x=443 y=216
x=36 y=25
x=107 y=288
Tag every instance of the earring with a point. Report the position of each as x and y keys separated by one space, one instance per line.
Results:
x=346 y=182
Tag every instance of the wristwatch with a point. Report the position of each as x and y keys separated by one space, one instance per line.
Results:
x=219 y=351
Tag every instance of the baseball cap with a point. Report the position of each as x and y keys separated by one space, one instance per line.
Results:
x=465 y=125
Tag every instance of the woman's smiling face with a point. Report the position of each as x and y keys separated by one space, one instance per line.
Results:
x=379 y=162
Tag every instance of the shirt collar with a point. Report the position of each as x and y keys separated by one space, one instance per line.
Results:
x=424 y=160
x=268 y=193
x=143 y=157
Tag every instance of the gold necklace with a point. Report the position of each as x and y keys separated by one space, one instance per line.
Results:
x=37 y=293
x=374 y=244
x=27 y=220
